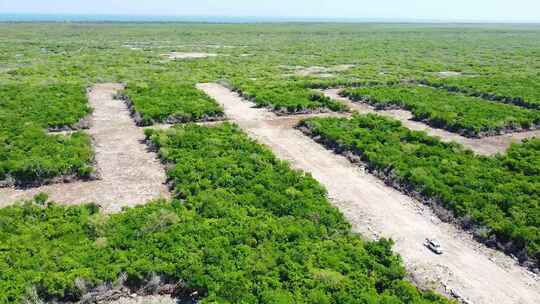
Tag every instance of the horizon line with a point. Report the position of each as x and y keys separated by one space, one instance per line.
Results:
x=74 y=17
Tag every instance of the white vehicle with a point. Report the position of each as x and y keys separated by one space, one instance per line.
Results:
x=434 y=246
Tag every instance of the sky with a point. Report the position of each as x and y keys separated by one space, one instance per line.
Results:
x=444 y=10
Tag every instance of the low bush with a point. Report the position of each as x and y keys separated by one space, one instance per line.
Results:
x=28 y=155
x=498 y=197
x=470 y=116
x=171 y=103
x=243 y=228
x=521 y=89
x=288 y=97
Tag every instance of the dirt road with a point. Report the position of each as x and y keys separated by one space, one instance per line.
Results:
x=467 y=268
x=146 y=300
x=484 y=146
x=129 y=174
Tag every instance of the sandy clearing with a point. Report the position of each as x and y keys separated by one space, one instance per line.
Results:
x=484 y=146
x=318 y=71
x=133 y=47
x=479 y=274
x=129 y=174
x=145 y=300
x=165 y=126
x=188 y=55
x=64 y=133
x=445 y=74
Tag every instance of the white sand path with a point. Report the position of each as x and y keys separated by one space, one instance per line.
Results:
x=485 y=146
x=129 y=174
x=467 y=268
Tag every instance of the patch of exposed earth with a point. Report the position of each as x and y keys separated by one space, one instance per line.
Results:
x=189 y=55
x=467 y=269
x=133 y=48
x=145 y=300
x=317 y=71
x=485 y=146
x=445 y=74
x=129 y=173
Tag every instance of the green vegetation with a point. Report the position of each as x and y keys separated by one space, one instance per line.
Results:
x=467 y=115
x=287 y=97
x=28 y=155
x=36 y=58
x=171 y=103
x=498 y=197
x=244 y=228
x=519 y=89
x=257 y=59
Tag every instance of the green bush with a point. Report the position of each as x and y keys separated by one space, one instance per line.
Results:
x=287 y=97
x=171 y=102
x=499 y=193
x=470 y=116
x=244 y=228
x=521 y=89
x=27 y=153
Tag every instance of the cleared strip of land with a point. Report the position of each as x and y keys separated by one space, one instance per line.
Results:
x=146 y=300
x=484 y=146
x=467 y=268
x=291 y=120
x=129 y=173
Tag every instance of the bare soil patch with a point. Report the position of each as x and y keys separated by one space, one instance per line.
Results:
x=83 y=123
x=467 y=269
x=129 y=173
x=145 y=300
x=444 y=74
x=484 y=146
x=133 y=47
x=318 y=71
x=188 y=55
x=165 y=126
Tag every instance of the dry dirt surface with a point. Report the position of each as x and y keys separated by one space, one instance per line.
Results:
x=182 y=55
x=129 y=173
x=467 y=269
x=145 y=300
x=318 y=71
x=484 y=146
x=445 y=74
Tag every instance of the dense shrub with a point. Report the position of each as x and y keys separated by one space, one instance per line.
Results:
x=244 y=228
x=468 y=115
x=28 y=155
x=500 y=193
x=287 y=97
x=171 y=102
x=519 y=89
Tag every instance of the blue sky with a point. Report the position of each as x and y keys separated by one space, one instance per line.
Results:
x=481 y=10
